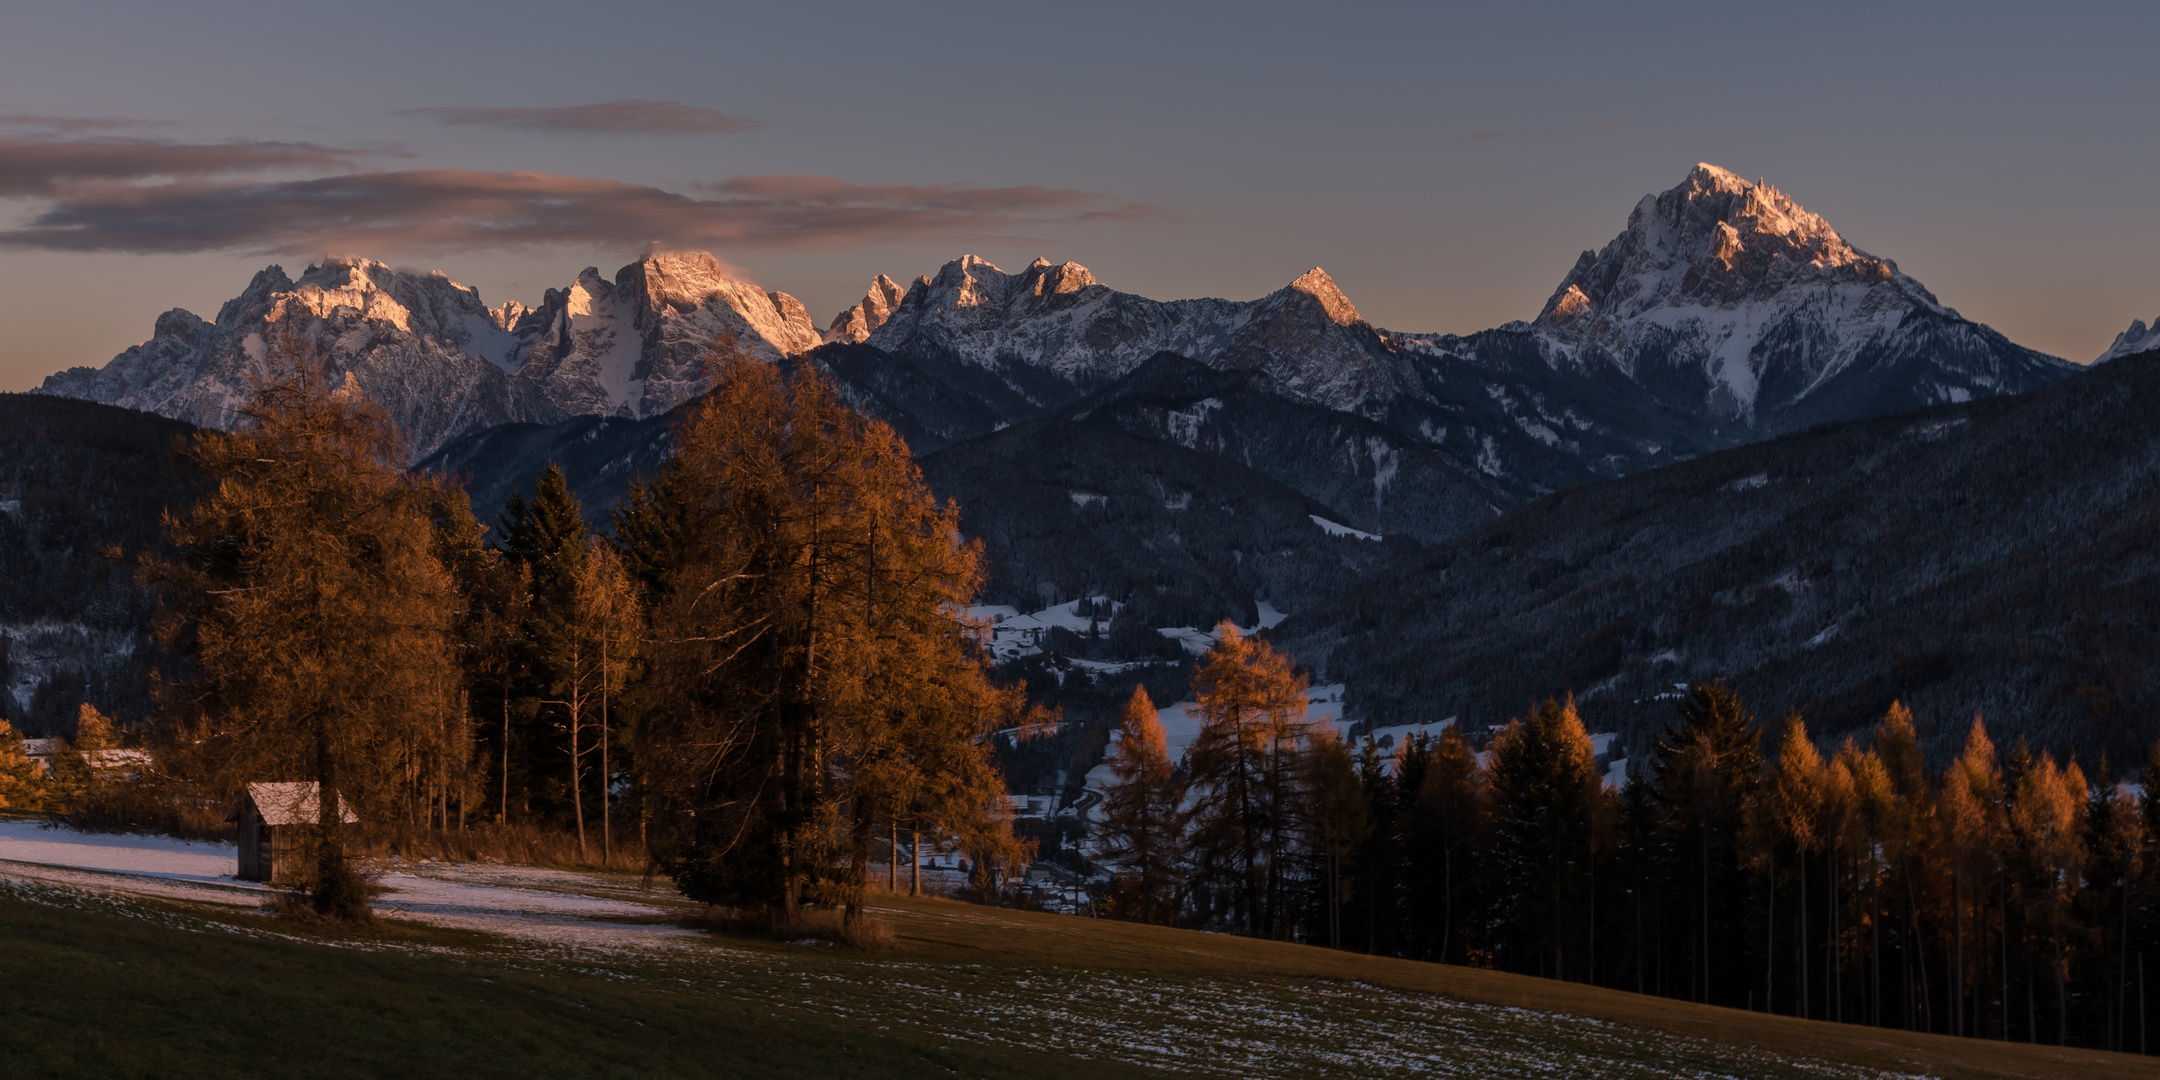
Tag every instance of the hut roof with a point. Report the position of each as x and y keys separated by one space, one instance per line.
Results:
x=293 y=803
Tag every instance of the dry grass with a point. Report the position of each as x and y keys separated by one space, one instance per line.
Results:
x=942 y=930
x=866 y=932
x=525 y=845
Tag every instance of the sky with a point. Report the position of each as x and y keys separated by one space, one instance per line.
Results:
x=1445 y=163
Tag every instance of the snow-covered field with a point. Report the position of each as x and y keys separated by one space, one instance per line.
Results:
x=550 y=907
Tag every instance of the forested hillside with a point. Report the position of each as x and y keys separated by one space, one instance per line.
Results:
x=75 y=479
x=1995 y=557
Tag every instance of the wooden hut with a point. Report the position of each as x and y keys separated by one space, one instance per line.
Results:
x=274 y=821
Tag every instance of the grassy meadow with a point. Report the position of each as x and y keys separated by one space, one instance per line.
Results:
x=121 y=987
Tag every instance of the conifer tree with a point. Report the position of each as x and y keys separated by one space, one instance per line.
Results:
x=1707 y=771
x=1242 y=765
x=1335 y=817
x=21 y=788
x=1142 y=827
x=1378 y=865
x=2116 y=850
x=317 y=618
x=1450 y=824
x=1639 y=864
x=79 y=775
x=1545 y=799
x=547 y=538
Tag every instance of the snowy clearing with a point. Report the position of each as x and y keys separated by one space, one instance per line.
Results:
x=553 y=907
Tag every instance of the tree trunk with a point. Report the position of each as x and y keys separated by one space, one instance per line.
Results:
x=577 y=778
x=1769 y=978
x=1957 y=979
x=607 y=830
x=504 y=814
x=1803 y=950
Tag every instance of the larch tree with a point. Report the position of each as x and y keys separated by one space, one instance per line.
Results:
x=811 y=674
x=590 y=644
x=1791 y=819
x=613 y=627
x=1242 y=769
x=2048 y=816
x=1906 y=826
x=21 y=788
x=80 y=776
x=494 y=594
x=1868 y=841
x=1970 y=821
x=1142 y=828
x=316 y=616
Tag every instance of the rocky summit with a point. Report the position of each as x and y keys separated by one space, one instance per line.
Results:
x=443 y=363
x=1743 y=303
x=1725 y=313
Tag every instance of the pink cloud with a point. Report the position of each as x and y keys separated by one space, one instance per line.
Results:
x=450 y=209
x=44 y=167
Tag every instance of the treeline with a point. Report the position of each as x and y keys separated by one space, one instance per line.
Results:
x=761 y=672
x=2007 y=897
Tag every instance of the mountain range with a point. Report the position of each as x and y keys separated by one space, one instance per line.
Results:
x=1414 y=499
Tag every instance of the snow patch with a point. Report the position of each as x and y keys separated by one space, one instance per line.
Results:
x=1336 y=528
x=1936 y=429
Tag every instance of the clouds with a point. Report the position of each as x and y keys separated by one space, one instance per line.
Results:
x=94 y=192
x=630 y=116
x=434 y=210
x=44 y=167
x=70 y=125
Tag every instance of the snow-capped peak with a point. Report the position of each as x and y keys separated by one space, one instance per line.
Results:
x=1761 y=297
x=1317 y=284
x=853 y=325
x=2135 y=340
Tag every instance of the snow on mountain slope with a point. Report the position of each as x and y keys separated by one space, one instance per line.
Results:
x=1761 y=306
x=855 y=324
x=443 y=363
x=1056 y=320
x=1726 y=312
x=421 y=344
x=2130 y=342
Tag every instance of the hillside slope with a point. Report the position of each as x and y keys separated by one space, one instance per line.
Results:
x=1999 y=556
x=74 y=478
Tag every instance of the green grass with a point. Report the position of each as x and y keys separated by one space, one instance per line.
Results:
x=99 y=987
